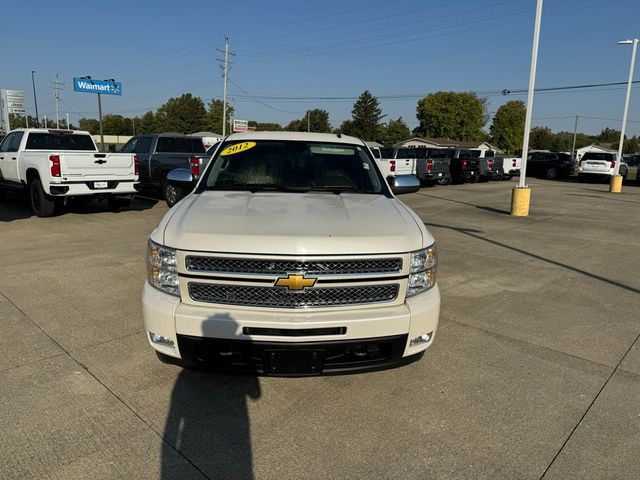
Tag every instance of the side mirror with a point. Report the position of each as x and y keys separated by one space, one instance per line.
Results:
x=181 y=178
x=401 y=184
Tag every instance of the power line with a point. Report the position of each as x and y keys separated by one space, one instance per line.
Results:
x=248 y=95
x=318 y=48
x=567 y=87
x=412 y=96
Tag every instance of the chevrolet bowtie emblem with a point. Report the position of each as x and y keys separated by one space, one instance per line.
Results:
x=295 y=282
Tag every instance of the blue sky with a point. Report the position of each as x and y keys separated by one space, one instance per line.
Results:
x=287 y=49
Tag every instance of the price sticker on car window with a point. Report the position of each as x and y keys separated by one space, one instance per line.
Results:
x=237 y=148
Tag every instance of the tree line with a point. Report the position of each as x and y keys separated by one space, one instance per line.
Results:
x=451 y=115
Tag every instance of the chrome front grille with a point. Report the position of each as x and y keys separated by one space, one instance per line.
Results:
x=275 y=297
x=281 y=267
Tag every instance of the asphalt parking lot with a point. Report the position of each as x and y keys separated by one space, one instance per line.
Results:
x=535 y=371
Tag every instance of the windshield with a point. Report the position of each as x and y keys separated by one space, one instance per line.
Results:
x=441 y=153
x=406 y=153
x=293 y=166
x=60 y=141
x=180 y=145
x=599 y=156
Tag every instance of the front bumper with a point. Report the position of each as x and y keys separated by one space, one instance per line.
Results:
x=87 y=187
x=254 y=340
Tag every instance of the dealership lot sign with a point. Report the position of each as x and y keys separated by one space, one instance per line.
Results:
x=11 y=101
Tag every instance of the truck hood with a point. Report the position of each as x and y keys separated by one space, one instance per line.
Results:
x=292 y=224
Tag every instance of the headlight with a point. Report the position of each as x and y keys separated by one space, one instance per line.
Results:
x=161 y=268
x=423 y=270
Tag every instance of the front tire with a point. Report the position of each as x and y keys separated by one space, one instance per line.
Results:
x=43 y=205
x=171 y=194
x=552 y=173
x=445 y=180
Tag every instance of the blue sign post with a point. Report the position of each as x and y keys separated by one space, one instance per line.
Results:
x=88 y=85
x=106 y=87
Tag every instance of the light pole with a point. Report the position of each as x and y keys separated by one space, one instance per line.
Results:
x=616 y=178
x=35 y=98
x=521 y=195
x=88 y=77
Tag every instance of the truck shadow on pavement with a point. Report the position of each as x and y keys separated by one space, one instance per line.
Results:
x=16 y=206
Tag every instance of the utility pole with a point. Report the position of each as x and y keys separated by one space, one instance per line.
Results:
x=35 y=98
x=133 y=126
x=68 y=124
x=308 y=120
x=575 y=132
x=100 y=119
x=57 y=86
x=225 y=73
x=45 y=122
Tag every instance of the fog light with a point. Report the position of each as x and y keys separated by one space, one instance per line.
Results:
x=160 y=340
x=422 y=339
x=360 y=351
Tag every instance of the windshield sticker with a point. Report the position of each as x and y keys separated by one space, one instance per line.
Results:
x=332 y=150
x=237 y=148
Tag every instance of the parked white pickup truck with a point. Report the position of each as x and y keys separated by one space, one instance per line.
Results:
x=53 y=165
x=396 y=161
x=292 y=256
x=511 y=166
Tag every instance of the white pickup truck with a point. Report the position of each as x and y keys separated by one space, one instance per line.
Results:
x=54 y=165
x=292 y=256
x=396 y=161
x=511 y=166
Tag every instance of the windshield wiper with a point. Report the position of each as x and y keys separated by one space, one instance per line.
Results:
x=337 y=189
x=255 y=187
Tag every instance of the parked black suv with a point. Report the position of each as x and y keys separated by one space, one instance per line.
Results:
x=551 y=165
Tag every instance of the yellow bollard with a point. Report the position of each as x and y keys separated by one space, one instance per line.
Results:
x=616 y=184
x=520 y=199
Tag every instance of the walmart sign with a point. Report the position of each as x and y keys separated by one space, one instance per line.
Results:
x=97 y=86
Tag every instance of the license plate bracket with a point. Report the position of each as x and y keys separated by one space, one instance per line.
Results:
x=293 y=362
x=100 y=184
